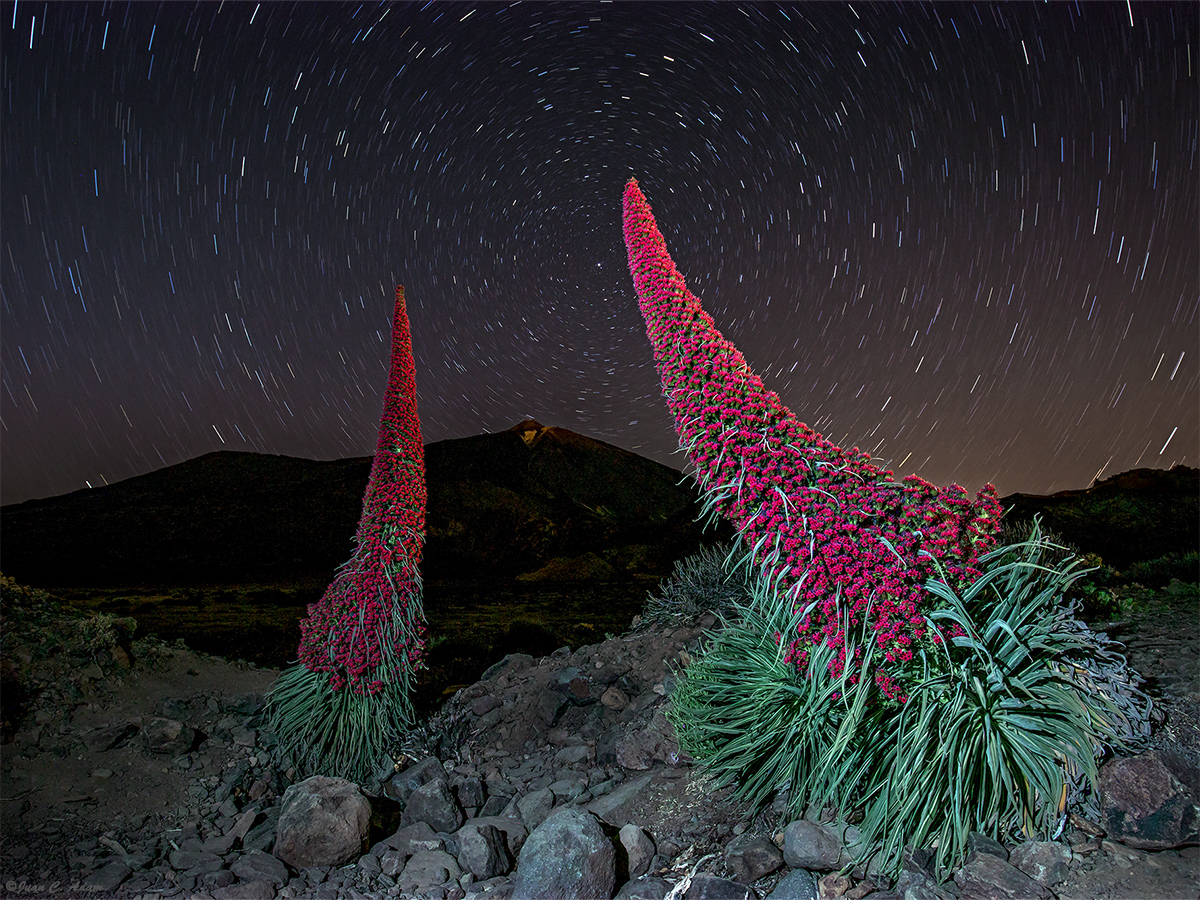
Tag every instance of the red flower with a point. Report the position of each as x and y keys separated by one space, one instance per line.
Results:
x=369 y=626
x=845 y=536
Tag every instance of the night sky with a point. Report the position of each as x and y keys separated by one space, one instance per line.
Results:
x=963 y=238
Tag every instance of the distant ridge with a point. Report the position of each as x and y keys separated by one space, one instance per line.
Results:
x=531 y=502
x=1137 y=515
x=500 y=505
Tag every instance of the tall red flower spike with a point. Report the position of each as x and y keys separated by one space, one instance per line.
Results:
x=341 y=709
x=844 y=539
x=369 y=626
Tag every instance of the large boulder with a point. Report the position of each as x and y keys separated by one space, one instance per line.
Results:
x=566 y=857
x=1150 y=801
x=322 y=822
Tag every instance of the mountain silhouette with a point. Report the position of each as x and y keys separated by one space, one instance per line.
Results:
x=1142 y=514
x=532 y=501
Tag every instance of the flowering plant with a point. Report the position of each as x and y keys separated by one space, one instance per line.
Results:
x=850 y=545
x=888 y=658
x=364 y=639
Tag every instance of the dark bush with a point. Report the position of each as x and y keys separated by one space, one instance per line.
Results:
x=1159 y=572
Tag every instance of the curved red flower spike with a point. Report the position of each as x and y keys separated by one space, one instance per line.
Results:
x=837 y=532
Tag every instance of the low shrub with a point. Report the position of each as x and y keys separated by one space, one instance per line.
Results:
x=1159 y=572
x=705 y=582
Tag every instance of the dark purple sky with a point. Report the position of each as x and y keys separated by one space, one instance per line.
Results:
x=961 y=237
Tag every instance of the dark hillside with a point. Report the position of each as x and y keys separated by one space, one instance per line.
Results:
x=500 y=505
x=1139 y=515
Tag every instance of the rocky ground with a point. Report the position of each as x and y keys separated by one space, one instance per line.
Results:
x=144 y=770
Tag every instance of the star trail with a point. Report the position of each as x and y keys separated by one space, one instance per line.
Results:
x=964 y=238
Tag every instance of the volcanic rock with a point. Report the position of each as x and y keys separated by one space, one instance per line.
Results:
x=1150 y=801
x=323 y=822
x=566 y=857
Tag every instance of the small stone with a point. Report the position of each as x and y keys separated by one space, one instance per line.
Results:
x=639 y=849
x=535 y=807
x=644 y=889
x=470 y=793
x=656 y=742
x=258 y=866
x=750 y=856
x=243 y=737
x=984 y=844
x=392 y=862
x=550 y=705
x=570 y=756
x=797 y=884
x=242 y=826
x=246 y=890
x=403 y=784
x=1046 y=862
x=483 y=851
x=369 y=866
x=194 y=862
x=174 y=708
x=414 y=838
x=218 y=879
x=988 y=877
x=219 y=844
x=106 y=737
x=514 y=831
x=434 y=803
x=620 y=805
x=168 y=736
x=249 y=704
x=481 y=706
x=614 y=698
x=833 y=886
x=710 y=887
x=567 y=789
x=428 y=868
x=108 y=878
x=810 y=845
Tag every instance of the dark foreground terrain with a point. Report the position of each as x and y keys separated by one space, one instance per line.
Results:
x=151 y=774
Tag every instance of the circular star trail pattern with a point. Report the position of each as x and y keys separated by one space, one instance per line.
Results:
x=960 y=237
